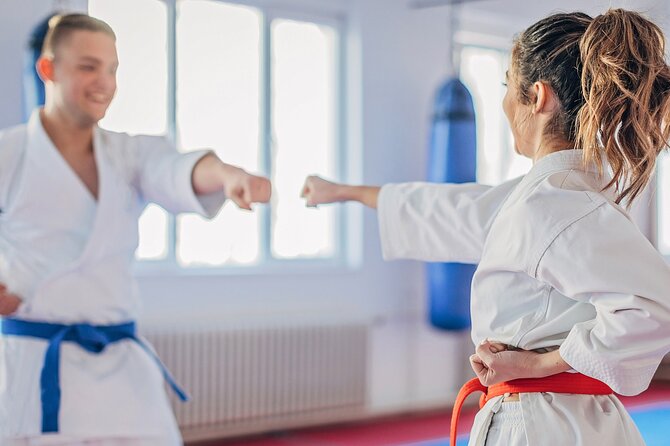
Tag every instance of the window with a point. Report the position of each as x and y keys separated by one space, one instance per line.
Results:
x=664 y=203
x=260 y=87
x=483 y=72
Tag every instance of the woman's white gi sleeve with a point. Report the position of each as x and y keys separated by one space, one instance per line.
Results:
x=604 y=260
x=438 y=222
x=164 y=177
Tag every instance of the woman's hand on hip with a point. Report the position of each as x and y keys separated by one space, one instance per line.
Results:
x=494 y=362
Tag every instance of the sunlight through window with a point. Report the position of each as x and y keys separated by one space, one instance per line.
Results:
x=483 y=72
x=140 y=104
x=227 y=92
x=305 y=129
x=218 y=97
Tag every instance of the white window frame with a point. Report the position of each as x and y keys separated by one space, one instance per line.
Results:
x=343 y=258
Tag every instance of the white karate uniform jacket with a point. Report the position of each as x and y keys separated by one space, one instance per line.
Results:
x=560 y=265
x=69 y=258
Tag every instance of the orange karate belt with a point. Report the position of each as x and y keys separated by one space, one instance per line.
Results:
x=561 y=383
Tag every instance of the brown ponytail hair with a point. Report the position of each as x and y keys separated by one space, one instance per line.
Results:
x=610 y=76
x=626 y=83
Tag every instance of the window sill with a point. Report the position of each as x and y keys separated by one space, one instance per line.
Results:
x=278 y=268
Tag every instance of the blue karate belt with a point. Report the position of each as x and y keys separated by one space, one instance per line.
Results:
x=92 y=338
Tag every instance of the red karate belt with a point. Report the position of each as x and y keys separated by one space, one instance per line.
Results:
x=575 y=383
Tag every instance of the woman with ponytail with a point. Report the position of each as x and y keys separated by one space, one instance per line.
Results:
x=570 y=302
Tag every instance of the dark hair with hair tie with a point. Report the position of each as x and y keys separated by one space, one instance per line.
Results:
x=611 y=79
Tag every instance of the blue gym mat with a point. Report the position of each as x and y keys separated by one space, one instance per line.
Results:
x=653 y=422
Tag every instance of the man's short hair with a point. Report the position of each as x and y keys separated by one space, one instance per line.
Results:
x=61 y=28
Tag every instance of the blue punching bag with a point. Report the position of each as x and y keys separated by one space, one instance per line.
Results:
x=452 y=159
x=33 y=87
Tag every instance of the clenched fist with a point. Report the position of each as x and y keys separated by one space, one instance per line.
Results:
x=9 y=303
x=493 y=363
x=244 y=188
x=319 y=191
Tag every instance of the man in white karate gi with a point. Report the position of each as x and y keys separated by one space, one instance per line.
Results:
x=72 y=370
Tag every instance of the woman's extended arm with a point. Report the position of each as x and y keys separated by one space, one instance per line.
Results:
x=319 y=191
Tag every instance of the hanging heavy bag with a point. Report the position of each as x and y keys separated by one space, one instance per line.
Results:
x=452 y=159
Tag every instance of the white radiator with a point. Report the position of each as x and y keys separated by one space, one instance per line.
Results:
x=253 y=379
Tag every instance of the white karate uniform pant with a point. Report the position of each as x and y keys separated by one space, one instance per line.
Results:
x=555 y=419
x=507 y=426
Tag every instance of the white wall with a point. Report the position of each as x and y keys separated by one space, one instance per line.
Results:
x=16 y=19
x=397 y=60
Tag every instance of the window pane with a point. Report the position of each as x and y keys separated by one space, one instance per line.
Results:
x=218 y=78
x=664 y=203
x=483 y=71
x=304 y=117
x=140 y=104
